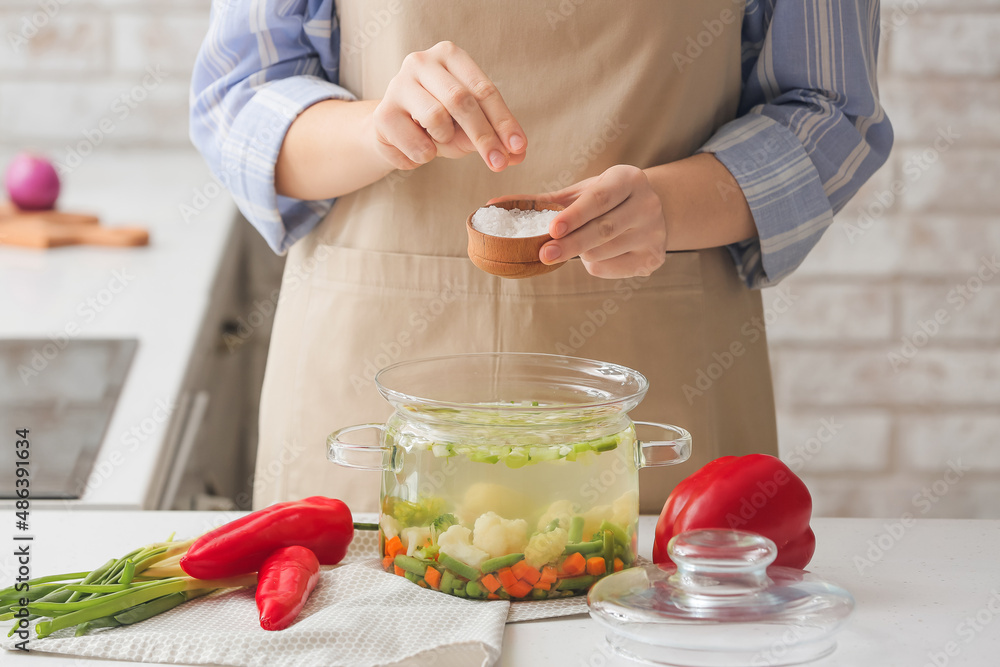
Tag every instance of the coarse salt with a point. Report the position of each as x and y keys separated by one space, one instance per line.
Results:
x=513 y=223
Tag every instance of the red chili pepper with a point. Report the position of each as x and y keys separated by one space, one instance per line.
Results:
x=323 y=525
x=284 y=583
x=756 y=493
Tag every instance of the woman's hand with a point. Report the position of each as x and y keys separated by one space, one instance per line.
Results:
x=614 y=222
x=442 y=104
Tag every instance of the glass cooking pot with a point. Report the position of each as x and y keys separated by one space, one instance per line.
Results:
x=509 y=475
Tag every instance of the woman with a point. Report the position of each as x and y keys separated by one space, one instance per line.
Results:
x=701 y=148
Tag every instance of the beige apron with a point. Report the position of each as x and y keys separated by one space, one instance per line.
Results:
x=385 y=276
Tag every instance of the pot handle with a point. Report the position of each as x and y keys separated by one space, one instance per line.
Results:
x=355 y=455
x=676 y=449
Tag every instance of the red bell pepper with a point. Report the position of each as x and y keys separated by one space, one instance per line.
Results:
x=284 y=583
x=755 y=493
x=322 y=525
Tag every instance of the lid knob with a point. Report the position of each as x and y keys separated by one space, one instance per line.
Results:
x=715 y=564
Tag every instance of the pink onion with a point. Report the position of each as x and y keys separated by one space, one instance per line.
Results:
x=32 y=182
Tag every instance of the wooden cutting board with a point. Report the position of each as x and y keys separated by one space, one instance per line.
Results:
x=51 y=229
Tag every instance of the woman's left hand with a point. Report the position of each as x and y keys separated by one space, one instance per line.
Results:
x=614 y=222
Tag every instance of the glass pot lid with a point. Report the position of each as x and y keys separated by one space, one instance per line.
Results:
x=521 y=389
x=720 y=605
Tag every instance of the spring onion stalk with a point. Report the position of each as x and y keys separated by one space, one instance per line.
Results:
x=142 y=583
x=115 y=603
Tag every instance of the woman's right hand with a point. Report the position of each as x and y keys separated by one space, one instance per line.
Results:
x=442 y=104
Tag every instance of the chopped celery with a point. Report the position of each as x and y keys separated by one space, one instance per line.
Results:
x=442 y=450
x=516 y=459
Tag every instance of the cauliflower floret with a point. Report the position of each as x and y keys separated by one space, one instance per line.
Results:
x=457 y=543
x=545 y=547
x=484 y=497
x=499 y=536
x=390 y=527
x=562 y=510
x=625 y=510
x=414 y=537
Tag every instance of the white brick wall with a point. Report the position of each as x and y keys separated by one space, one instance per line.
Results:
x=68 y=67
x=890 y=263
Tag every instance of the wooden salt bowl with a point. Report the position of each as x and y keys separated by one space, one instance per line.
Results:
x=511 y=257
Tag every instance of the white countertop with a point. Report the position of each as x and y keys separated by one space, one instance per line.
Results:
x=165 y=295
x=915 y=592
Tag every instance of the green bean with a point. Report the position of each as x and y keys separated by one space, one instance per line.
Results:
x=500 y=562
x=625 y=553
x=412 y=577
x=575 y=583
x=410 y=564
x=457 y=566
x=447 y=581
x=620 y=535
x=539 y=594
x=576 y=529
x=584 y=547
x=609 y=551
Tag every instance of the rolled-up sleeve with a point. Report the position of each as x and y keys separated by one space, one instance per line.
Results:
x=810 y=129
x=262 y=63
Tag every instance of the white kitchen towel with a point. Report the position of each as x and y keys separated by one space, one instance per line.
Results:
x=358 y=616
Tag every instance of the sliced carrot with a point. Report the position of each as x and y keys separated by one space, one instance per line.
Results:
x=387 y=563
x=492 y=596
x=519 y=590
x=525 y=572
x=393 y=546
x=619 y=565
x=433 y=578
x=398 y=570
x=574 y=565
x=422 y=583
x=549 y=575
x=542 y=586
x=596 y=566
x=490 y=582
x=506 y=577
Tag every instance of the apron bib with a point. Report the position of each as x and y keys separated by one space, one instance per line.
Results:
x=385 y=276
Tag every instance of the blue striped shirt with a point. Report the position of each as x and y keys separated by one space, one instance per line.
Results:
x=810 y=129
